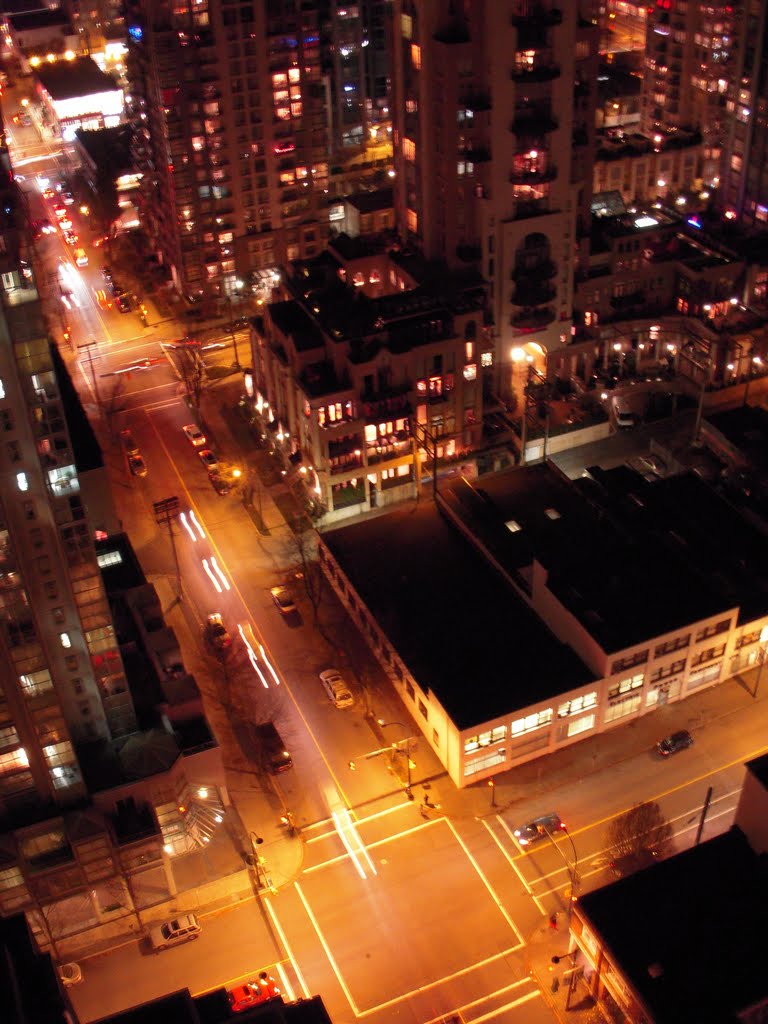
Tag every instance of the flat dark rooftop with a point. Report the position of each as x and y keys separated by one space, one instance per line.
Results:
x=689 y=932
x=461 y=630
x=630 y=560
x=368 y=202
x=69 y=79
x=758 y=766
x=291 y=319
x=746 y=427
x=28 y=21
x=108 y=147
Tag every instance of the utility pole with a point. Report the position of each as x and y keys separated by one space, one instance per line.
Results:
x=165 y=512
x=89 y=345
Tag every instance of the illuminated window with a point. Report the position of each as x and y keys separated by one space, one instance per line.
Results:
x=412 y=220
x=469 y=351
x=416 y=56
x=486 y=359
x=409 y=149
x=2 y=390
x=21 y=481
x=406 y=25
x=294 y=75
x=577 y=705
x=470 y=371
x=531 y=722
x=278 y=80
x=65 y=640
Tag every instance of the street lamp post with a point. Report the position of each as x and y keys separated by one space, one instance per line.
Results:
x=407 y=740
x=571 y=866
x=238 y=285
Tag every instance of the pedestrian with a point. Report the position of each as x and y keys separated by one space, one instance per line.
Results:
x=553 y=922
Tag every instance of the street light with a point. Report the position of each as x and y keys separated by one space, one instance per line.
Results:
x=571 y=866
x=407 y=752
x=238 y=285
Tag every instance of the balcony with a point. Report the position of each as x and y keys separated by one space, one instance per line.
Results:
x=540 y=271
x=625 y=302
x=535 y=73
x=478 y=154
x=532 y=177
x=537 y=16
x=477 y=103
x=530 y=208
x=533 y=122
x=531 y=292
x=532 y=319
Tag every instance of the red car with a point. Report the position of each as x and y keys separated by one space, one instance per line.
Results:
x=253 y=992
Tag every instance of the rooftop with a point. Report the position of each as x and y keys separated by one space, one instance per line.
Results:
x=461 y=630
x=67 y=80
x=108 y=147
x=690 y=957
x=369 y=202
x=292 y=320
x=631 y=560
x=28 y=21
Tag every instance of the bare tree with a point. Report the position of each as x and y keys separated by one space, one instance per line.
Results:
x=639 y=834
x=305 y=549
x=112 y=403
x=193 y=375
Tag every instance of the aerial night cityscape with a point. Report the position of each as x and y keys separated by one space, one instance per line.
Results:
x=383 y=511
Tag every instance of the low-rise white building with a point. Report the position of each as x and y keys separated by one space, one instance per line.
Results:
x=527 y=612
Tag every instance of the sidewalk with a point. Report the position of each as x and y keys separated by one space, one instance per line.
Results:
x=561 y=988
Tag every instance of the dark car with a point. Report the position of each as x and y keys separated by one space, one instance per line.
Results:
x=675 y=742
x=106 y=273
x=123 y=303
x=115 y=288
x=539 y=828
x=220 y=484
x=271 y=748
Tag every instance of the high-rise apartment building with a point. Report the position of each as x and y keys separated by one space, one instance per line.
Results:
x=688 y=67
x=62 y=681
x=493 y=127
x=744 y=180
x=355 y=59
x=228 y=104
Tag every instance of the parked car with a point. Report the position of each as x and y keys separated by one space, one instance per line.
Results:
x=220 y=483
x=217 y=632
x=271 y=749
x=675 y=742
x=253 y=992
x=129 y=443
x=283 y=598
x=123 y=303
x=208 y=459
x=115 y=287
x=174 y=932
x=336 y=688
x=194 y=435
x=81 y=258
x=106 y=273
x=70 y=974
x=71 y=238
x=625 y=418
x=539 y=828
x=137 y=465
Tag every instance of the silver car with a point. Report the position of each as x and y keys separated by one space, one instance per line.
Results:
x=172 y=933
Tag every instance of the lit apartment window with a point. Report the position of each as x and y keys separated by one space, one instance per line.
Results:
x=416 y=56
x=409 y=149
x=65 y=640
x=412 y=219
x=21 y=481
x=2 y=390
x=406 y=25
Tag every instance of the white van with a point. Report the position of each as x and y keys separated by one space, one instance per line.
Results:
x=336 y=689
